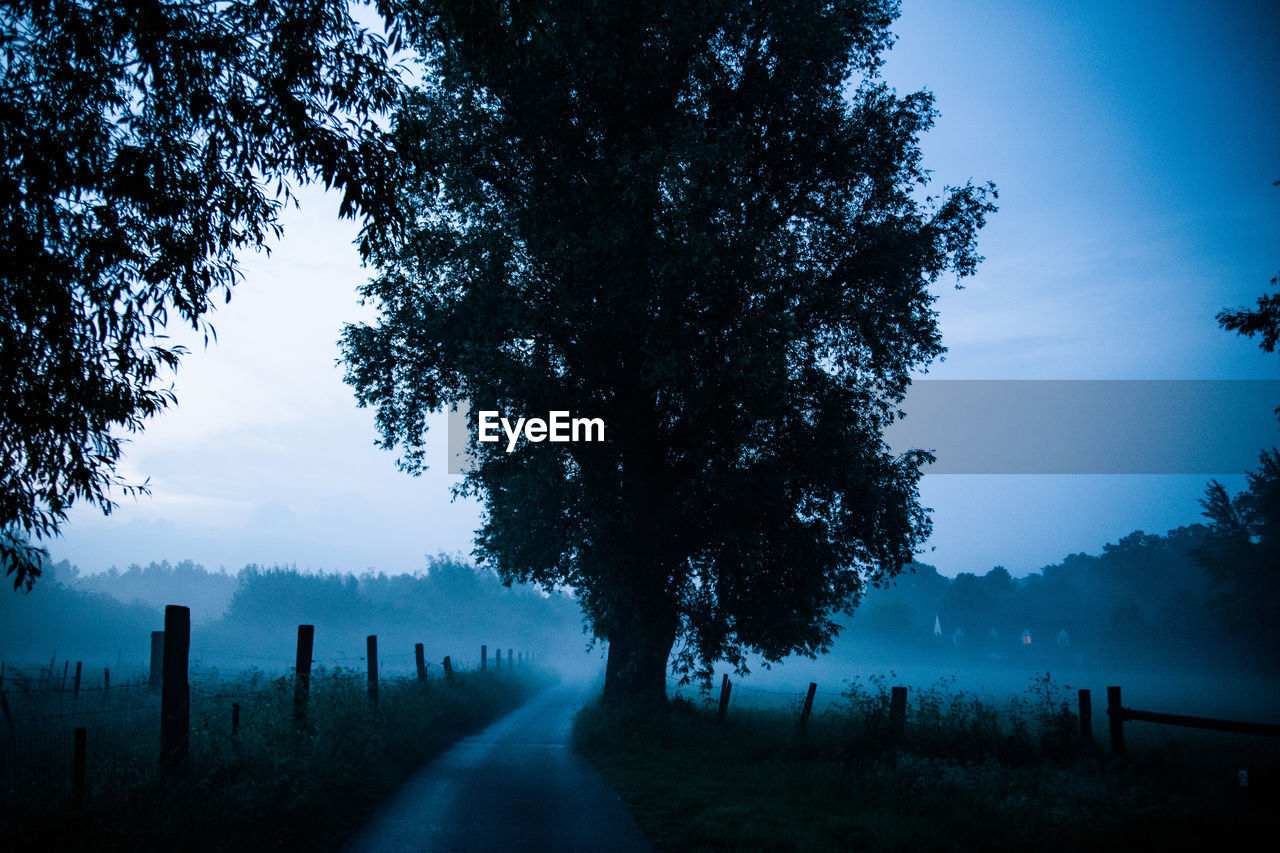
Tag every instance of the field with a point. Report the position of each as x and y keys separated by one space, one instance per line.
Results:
x=966 y=773
x=256 y=777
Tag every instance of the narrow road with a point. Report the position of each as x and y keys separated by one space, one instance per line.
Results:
x=518 y=786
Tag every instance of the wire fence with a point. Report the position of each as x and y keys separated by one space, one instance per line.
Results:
x=246 y=706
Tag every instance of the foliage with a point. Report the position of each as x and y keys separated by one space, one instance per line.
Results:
x=1141 y=601
x=703 y=223
x=1263 y=320
x=451 y=608
x=1241 y=555
x=144 y=146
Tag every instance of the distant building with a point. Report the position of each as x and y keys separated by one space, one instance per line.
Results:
x=1026 y=636
x=957 y=639
x=1063 y=639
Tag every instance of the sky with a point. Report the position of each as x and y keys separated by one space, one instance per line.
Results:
x=1134 y=145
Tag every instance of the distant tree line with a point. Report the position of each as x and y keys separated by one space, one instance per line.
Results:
x=250 y=618
x=1146 y=600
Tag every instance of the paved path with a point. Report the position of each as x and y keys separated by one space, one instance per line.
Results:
x=518 y=786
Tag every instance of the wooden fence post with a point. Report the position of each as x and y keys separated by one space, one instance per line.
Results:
x=106 y=679
x=302 y=673
x=484 y=657
x=1115 y=712
x=725 y=688
x=808 y=705
x=77 y=769
x=4 y=706
x=448 y=668
x=511 y=659
x=235 y=718
x=75 y=690
x=157 y=659
x=420 y=660
x=66 y=665
x=371 y=645
x=497 y=658
x=175 y=701
x=897 y=713
x=1086 y=717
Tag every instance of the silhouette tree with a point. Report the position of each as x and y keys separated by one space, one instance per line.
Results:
x=1263 y=320
x=143 y=145
x=705 y=223
x=1241 y=556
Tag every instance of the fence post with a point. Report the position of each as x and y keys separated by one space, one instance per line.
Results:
x=484 y=657
x=511 y=659
x=75 y=689
x=1086 y=717
x=497 y=658
x=371 y=645
x=77 y=769
x=725 y=688
x=448 y=668
x=420 y=660
x=66 y=665
x=808 y=705
x=175 y=701
x=106 y=679
x=302 y=674
x=897 y=713
x=235 y=718
x=1115 y=712
x=4 y=706
x=157 y=659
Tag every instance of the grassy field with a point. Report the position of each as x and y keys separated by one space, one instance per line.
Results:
x=271 y=785
x=967 y=775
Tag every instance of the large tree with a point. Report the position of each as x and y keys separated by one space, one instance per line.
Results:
x=144 y=144
x=707 y=223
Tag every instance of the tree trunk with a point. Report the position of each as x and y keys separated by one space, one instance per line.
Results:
x=636 y=671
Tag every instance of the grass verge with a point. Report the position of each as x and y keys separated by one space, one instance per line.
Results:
x=273 y=785
x=966 y=777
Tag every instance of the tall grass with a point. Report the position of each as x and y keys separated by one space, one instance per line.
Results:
x=967 y=775
x=273 y=784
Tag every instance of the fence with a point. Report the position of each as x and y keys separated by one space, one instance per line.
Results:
x=896 y=727
x=1118 y=715
x=68 y=732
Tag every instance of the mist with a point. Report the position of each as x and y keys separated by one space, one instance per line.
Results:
x=1142 y=612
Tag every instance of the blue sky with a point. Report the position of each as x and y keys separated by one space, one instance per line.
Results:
x=1134 y=146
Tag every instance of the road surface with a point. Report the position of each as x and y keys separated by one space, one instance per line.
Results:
x=518 y=786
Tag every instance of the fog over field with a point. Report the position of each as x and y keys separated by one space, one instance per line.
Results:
x=1143 y=614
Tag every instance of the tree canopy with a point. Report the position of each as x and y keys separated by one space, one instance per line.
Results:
x=1262 y=320
x=144 y=144
x=1241 y=555
x=708 y=224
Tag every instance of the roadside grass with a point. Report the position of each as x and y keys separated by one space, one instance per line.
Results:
x=967 y=776
x=273 y=785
